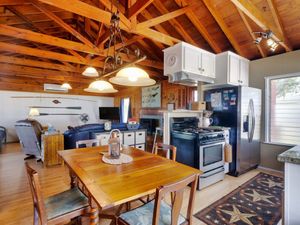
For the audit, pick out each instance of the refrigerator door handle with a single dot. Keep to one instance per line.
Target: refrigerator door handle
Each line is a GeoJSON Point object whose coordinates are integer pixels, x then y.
{"type": "Point", "coordinates": [249, 123]}
{"type": "Point", "coordinates": [253, 120]}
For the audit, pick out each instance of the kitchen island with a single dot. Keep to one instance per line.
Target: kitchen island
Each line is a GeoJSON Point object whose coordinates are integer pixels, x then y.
{"type": "Point", "coordinates": [291, 158]}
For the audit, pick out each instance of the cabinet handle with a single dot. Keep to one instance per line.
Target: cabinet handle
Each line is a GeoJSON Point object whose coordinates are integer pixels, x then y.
{"type": "Point", "coordinates": [140, 134]}
{"type": "Point", "coordinates": [129, 135]}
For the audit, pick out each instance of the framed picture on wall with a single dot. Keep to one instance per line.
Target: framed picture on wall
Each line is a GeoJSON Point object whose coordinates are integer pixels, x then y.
{"type": "Point", "coordinates": [151, 96]}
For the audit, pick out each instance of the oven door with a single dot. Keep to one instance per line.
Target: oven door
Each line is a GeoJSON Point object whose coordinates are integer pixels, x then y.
{"type": "Point", "coordinates": [211, 156]}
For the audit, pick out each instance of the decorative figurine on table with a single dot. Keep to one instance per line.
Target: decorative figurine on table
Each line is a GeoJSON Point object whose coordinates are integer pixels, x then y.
{"type": "Point", "coordinates": [114, 146]}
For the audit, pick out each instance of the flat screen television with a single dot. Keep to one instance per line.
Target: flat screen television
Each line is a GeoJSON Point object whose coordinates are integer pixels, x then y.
{"type": "Point", "coordinates": [109, 113]}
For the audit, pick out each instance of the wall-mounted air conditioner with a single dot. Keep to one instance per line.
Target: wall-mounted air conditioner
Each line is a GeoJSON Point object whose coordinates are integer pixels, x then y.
{"type": "Point", "coordinates": [54, 88]}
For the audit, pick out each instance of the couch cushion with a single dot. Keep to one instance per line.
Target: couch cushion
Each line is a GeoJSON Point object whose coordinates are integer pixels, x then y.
{"type": "Point", "coordinates": [143, 215]}
{"type": "Point", "coordinates": [65, 202]}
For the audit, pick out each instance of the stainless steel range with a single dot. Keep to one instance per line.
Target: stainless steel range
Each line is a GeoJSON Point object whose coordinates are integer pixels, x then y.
{"type": "Point", "coordinates": [203, 149]}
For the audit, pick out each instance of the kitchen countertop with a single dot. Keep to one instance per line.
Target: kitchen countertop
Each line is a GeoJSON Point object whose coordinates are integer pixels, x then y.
{"type": "Point", "coordinates": [290, 156]}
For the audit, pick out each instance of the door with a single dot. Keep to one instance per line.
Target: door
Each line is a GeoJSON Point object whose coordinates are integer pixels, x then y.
{"type": "Point", "coordinates": [208, 65]}
{"type": "Point", "coordinates": [191, 60]}
{"type": "Point", "coordinates": [234, 70]}
{"type": "Point", "coordinates": [249, 129]}
{"type": "Point", "coordinates": [244, 72]}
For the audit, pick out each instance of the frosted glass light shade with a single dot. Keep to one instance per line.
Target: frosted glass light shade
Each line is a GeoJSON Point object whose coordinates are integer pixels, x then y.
{"type": "Point", "coordinates": [34, 112]}
{"type": "Point", "coordinates": [66, 86]}
{"type": "Point", "coordinates": [132, 76]}
{"type": "Point", "coordinates": [101, 86]}
{"type": "Point", "coordinates": [90, 72]}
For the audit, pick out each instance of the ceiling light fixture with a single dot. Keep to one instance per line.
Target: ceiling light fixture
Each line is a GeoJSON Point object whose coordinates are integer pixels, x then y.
{"type": "Point", "coordinates": [100, 86]}
{"type": "Point", "coordinates": [268, 36]}
{"type": "Point", "coordinates": [66, 86]}
{"type": "Point", "coordinates": [90, 72]}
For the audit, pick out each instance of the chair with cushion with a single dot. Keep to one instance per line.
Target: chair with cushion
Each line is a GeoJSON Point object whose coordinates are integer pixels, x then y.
{"type": "Point", "coordinates": [164, 150]}
{"type": "Point", "coordinates": [87, 143]}
{"type": "Point", "coordinates": [29, 133]}
{"type": "Point", "coordinates": [62, 207]}
{"type": "Point", "coordinates": [158, 212]}
{"type": "Point", "coordinates": [2, 136]}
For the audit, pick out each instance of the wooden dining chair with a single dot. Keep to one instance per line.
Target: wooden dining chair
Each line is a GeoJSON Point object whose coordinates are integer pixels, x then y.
{"type": "Point", "coordinates": [62, 207]}
{"type": "Point", "coordinates": [163, 150]}
{"type": "Point", "coordinates": [87, 143]}
{"type": "Point", "coordinates": [158, 212]}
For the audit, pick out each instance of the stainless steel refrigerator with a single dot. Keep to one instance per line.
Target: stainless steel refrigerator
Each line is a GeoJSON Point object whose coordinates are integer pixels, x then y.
{"type": "Point", "coordinates": [240, 109]}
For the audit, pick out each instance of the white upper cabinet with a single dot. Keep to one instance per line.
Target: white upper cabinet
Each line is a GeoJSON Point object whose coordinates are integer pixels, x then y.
{"type": "Point", "coordinates": [195, 63]}
{"type": "Point", "coordinates": [232, 69]}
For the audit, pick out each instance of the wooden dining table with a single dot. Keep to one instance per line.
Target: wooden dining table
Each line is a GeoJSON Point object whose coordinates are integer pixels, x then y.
{"type": "Point", "coordinates": [112, 185]}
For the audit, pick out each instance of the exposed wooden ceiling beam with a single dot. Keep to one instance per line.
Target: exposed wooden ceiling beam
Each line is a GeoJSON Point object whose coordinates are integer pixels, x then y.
{"type": "Point", "coordinates": [46, 54]}
{"type": "Point", "coordinates": [210, 6]}
{"type": "Point", "coordinates": [163, 18]}
{"type": "Point", "coordinates": [278, 21]}
{"type": "Point", "coordinates": [137, 7]}
{"type": "Point", "coordinates": [178, 27]}
{"type": "Point", "coordinates": [263, 54]}
{"type": "Point", "coordinates": [13, 2]}
{"type": "Point", "coordinates": [36, 63]}
{"type": "Point", "coordinates": [63, 24]}
{"type": "Point", "coordinates": [257, 16]}
{"type": "Point", "coordinates": [46, 39]}
{"type": "Point", "coordinates": [198, 24]}
{"type": "Point", "coordinates": [92, 12]}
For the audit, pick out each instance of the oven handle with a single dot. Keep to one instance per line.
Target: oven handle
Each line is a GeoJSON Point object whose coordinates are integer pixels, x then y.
{"type": "Point", "coordinates": [209, 175]}
{"type": "Point", "coordinates": [212, 144]}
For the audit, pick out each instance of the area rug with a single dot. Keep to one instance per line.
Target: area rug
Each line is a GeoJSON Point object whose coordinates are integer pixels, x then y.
{"type": "Point", "coordinates": [258, 201]}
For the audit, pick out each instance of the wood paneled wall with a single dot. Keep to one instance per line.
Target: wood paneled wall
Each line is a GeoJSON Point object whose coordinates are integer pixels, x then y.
{"type": "Point", "coordinates": [170, 93]}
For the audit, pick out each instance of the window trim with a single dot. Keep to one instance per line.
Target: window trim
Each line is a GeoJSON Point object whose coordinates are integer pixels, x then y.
{"type": "Point", "coordinates": [268, 80]}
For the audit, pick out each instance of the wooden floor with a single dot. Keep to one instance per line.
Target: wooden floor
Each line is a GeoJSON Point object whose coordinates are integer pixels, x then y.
{"type": "Point", "coordinates": [15, 198]}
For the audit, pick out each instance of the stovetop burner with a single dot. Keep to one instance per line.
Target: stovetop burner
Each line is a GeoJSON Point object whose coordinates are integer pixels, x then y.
{"type": "Point", "coordinates": [199, 130]}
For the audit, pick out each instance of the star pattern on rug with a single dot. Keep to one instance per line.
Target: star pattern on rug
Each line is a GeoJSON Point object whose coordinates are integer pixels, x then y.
{"type": "Point", "coordinates": [272, 183]}
{"type": "Point", "coordinates": [237, 215]}
{"type": "Point", "coordinates": [256, 197]}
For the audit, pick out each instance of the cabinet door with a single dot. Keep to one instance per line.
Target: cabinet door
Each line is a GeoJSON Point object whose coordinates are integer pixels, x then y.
{"type": "Point", "coordinates": [140, 147]}
{"type": "Point", "coordinates": [128, 138]}
{"type": "Point", "coordinates": [140, 137]}
{"type": "Point", "coordinates": [234, 70]}
{"type": "Point", "coordinates": [191, 60]}
{"type": "Point", "coordinates": [208, 65]}
{"type": "Point", "coordinates": [244, 72]}
{"type": "Point", "coordinates": [103, 137]}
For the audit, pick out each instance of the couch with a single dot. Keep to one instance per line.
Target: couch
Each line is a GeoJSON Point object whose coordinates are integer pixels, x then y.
{"type": "Point", "coordinates": [86, 132]}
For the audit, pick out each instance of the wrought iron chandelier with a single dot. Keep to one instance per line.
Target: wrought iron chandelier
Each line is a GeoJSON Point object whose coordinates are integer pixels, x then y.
{"type": "Point", "coordinates": [126, 73]}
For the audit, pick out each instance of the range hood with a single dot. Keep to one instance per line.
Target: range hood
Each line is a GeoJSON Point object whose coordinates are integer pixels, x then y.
{"type": "Point", "coordinates": [188, 65]}
{"type": "Point", "coordinates": [188, 79]}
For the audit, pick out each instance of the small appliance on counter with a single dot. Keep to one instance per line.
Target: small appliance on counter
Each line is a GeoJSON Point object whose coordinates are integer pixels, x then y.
{"type": "Point", "coordinates": [201, 148]}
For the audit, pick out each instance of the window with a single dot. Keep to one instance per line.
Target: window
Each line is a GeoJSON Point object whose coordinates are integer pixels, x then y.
{"type": "Point", "coordinates": [195, 95]}
{"type": "Point", "coordinates": [125, 109]}
{"type": "Point", "coordinates": [283, 109]}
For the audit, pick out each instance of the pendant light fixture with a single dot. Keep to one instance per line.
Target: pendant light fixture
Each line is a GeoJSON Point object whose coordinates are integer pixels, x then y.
{"type": "Point", "coordinates": [66, 86]}
{"type": "Point", "coordinates": [132, 76]}
{"type": "Point", "coordinates": [100, 86]}
{"type": "Point", "coordinates": [90, 72]}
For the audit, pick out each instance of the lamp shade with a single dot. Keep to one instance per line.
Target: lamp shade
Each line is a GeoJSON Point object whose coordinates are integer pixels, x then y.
{"type": "Point", "coordinates": [66, 86]}
{"type": "Point", "coordinates": [132, 76]}
{"type": "Point", "coordinates": [34, 112]}
{"type": "Point", "coordinates": [101, 86]}
{"type": "Point", "coordinates": [90, 72]}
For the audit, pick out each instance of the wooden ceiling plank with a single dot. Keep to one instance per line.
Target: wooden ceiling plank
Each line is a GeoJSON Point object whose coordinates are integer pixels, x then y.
{"type": "Point", "coordinates": [210, 6]}
{"type": "Point", "coordinates": [46, 54]}
{"type": "Point", "coordinates": [163, 10]}
{"type": "Point", "coordinates": [138, 7]}
{"type": "Point", "coordinates": [35, 63]}
{"type": "Point", "coordinates": [46, 39]}
{"type": "Point", "coordinates": [163, 18]}
{"type": "Point", "coordinates": [198, 24]}
{"type": "Point", "coordinates": [257, 16]}
{"type": "Point", "coordinates": [13, 2]}
{"type": "Point", "coordinates": [92, 12]}
{"type": "Point", "coordinates": [263, 54]}
{"type": "Point", "coordinates": [66, 26]}
{"type": "Point", "coordinates": [278, 21]}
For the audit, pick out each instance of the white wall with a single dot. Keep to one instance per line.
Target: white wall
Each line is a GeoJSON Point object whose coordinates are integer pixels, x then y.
{"type": "Point", "coordinates": [14, 109]}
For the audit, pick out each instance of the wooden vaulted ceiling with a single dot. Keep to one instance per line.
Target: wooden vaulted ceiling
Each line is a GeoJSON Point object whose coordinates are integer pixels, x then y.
{"type": "Point", "coordinates": [52, 41]}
